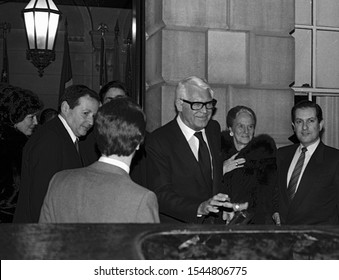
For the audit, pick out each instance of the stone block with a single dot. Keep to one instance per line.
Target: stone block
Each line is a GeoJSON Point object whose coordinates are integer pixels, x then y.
{"type": "Point", "coordinates": [183, 54]}
{"type": "Point", "coordinates": [271, 61]}
{"type": "Point", "coordinates": [153, 20]}
{"type": "Point", "coordinates": [195, 13]}
{"type": "Point", "coordinates": [220, 113]}
{"type": "Point", "coordinates": [271, 106]}
{"type": "Point", "coordinates": [154, 59]}
{"type": "Point", "coordinates": [159, 106]}
{"type": "Point", "coordinates": [227, 57]}
{"type": "Point", "coordinates": [262, 15]}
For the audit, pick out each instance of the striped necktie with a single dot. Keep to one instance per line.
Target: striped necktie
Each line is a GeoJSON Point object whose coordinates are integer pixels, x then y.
{"type": "Point", "coordinates": [292, 185]}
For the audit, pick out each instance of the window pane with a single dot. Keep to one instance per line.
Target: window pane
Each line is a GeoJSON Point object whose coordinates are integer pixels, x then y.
{"type": "Point", "coordinates": [328, 13]}
{"type": "Point", "coordinates": [303, 56]}
{"type": "Point", "coordinates": [303, 12]}
{"type": "Point", "coordinates": [327, 70]}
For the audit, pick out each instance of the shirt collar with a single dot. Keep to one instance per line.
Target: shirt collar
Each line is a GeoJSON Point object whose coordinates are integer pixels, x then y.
{"type": "Point", "coordinates": [115, 162]}
{"type": "Point", "coordinates": [68, 128]}
{"type": "Point", "coordinates": [311, 148]}
{"type": "Point", "coordinates": [187, 131]}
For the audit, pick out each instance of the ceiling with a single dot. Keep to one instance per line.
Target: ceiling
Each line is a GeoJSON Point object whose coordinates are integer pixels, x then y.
{"type": "Point", "coordinates": [118, 4]}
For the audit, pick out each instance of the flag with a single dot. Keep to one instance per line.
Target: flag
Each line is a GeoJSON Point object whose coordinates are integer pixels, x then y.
{"type": "Point", "coordinates": [4, 73]}
{"type": "Point", "coordinates": [103, 64]}
{"type": "Point", "coordinates": [66, 73]}
{"type": "Point", "coordinates": [116, 57]}
{"type": "Point", "coordinates": [128, 69]}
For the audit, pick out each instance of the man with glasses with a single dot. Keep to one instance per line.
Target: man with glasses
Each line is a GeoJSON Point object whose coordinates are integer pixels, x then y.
{"type": "Point", "coordinates": [183, 159]}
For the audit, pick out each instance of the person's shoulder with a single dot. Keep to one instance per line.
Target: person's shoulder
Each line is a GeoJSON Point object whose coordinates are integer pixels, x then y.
{"type": "Point", "coordinates": [330, 151]}
{"type": "Point", "coordinates": [287, 147]}
{"type": "Point", "coordinates": [163, 131]}
{"type": "Point", "coordinates": [214, 124]}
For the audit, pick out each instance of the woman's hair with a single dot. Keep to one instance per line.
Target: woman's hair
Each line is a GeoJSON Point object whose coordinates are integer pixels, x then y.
{"type": "Point", "coordinates": [16, 103]}
{"type": "Point", "coordinates": [235, 111]}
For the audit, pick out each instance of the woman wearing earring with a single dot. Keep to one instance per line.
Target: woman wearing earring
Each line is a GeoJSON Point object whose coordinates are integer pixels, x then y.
{"type": "Point", "coordinates": [249, 165]}
{"type": "Point", "coordinates": [18, 119]}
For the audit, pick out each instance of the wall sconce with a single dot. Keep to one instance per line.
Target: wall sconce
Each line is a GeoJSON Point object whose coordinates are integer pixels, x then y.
{"type": "Point", "coordinates": [41, 23]}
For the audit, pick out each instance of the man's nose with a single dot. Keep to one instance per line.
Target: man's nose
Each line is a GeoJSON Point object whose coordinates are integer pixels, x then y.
{"type": "Point", "coordinates": [90, 120]}
{"type": "Point", "coordinates": [35, 120]}
{"type": "Point", "coordinates": [203, 109]}
{"type": "Point", "coordinates": [305, 126]}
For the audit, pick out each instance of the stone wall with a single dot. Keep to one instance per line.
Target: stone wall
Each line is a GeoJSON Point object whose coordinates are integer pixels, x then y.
{"type": "Point", "coordinates": [241, 47]}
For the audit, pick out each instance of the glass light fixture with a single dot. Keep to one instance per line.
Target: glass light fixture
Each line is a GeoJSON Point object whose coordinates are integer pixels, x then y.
{"type": "Point", "coordinates": [41, 22]}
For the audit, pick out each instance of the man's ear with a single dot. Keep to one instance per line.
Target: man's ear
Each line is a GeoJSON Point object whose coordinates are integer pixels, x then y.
{"type": "Point", "coordinates": [64, 107]}
{"type": "Point", "coordinates": [178, 104]}
{"type": "Point", "coordinates": [321, 124]}
{"type": "Point", "coordinates": [293, 126]}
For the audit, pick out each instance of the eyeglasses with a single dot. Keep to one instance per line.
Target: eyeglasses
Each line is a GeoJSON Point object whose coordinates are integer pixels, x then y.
{"type": "Point", "coordinates": [198, 105]}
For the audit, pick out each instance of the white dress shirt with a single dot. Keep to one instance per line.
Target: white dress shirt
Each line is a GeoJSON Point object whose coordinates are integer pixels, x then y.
{"type": "Point", "coordinates": [68, 128]}
{"type": "Point", "coordinates": [310, 150]}
{"type": "Point", "coordinates": [191, 139]}
{"type": "Point", "coordinates": [115, 162]}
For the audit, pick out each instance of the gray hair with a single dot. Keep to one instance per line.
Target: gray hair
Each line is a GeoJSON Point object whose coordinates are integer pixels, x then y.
{"type": "Point", "coordinates": [181, 89]}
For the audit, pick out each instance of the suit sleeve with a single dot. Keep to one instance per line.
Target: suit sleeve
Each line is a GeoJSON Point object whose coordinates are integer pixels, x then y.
{"type": "Point", "coordinates": [45, 161]}
{"type": "Point", "coordinates": [148, 211]}
{"type": "Point", "coordinates": [159, 180]}
{"type": "Point", "coordinates": [47, 211]}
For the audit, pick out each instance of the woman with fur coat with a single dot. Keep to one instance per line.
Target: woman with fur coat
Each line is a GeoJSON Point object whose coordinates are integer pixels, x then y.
{"type": "Point", "coordinates": [249, 166]}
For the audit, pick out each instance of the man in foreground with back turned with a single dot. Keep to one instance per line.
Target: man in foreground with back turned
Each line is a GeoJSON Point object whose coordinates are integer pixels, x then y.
{"type": "Point", "coordinates": [184, 165]}
{"type": "Point", "coordinates": [308, 173]}
{"type": "Point", "coordinates": [104, 192]}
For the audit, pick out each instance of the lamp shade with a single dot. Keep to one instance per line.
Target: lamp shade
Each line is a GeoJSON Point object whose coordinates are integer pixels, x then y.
{"type": "Point", "coordinates": [41, 22]}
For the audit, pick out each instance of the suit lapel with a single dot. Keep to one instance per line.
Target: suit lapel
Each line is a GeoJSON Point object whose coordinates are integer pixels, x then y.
{"type": "Point", "coordinates": [67, 140]}
{"type": "Point", "coordinates": [285, 164]}
{"type": "Point", "coordinates": [307, 178]}
{"type": "Point", "coordinates": [184, 150]}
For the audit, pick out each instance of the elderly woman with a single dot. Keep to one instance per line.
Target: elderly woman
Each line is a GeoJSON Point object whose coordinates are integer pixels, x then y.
{"type": "Point", "coordinates": [18, 119]}
{"type": "Point", "coordinates": [249, 167]}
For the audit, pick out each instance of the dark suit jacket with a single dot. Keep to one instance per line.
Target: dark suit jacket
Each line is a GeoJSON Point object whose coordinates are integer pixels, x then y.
{"type": "Point", "coordinates": [173, 172]}
{"type": "Point", "coordinates": [49, 150]}
{"type": "Point", "coordinates": [99, 193]}
{"type": "Point", "coordinates": [317, 198]}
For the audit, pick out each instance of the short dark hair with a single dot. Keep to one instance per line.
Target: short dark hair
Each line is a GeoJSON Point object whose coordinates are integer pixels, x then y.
{"type": "Point", "coordinates": [74, 92]}
{"type": "Point", "coordinates": [16, 103]}
{"type": "Point", "coordinates": [119, 127]}
{"type": "Point", "coordinates": [307, 104]}
{"type": "Point", "coordinates": [108, 86]}
{"type": "Point", "coordinates": [232, 114]}
{"type": "Point", "coordinates": [47, 114]}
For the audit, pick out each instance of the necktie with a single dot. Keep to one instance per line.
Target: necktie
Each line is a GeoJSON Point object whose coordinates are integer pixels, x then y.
{"type": "Point", "coordinates": [76, 144]}
{"type": "Point", "coordinates": [204, 158]}
{"type": "Point", "coordinates": [292, 185]}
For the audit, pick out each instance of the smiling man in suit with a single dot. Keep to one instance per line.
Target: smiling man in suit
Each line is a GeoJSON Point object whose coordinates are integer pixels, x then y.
{"type": "Point", "coordinates": [308, 173]}
{"type": "Point", "coordinates": [184, 165]}
{"type": "Point", "coordinates": [104, 192]}
{"type": "Point", "coordinates": [55, 147]}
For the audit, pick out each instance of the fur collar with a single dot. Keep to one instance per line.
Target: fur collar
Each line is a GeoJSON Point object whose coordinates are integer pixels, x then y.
{"type": "Point", "coordinates": [261, 147]}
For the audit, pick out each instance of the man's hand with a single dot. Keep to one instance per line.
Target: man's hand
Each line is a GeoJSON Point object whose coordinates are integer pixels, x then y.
{"type": "Point", "coordinates": [213, 204]}
{"type": "Point", "coordinates": [276, 218]}
{"type": "Point", "coordinates": [228, 216]}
